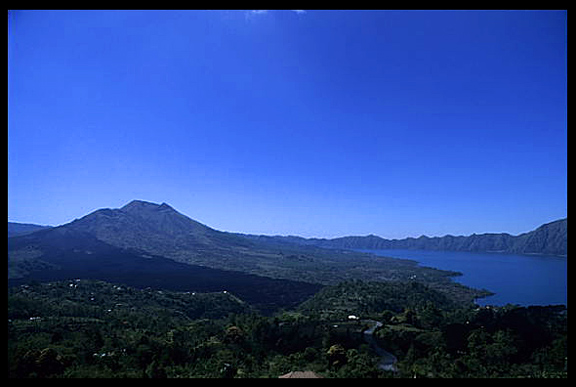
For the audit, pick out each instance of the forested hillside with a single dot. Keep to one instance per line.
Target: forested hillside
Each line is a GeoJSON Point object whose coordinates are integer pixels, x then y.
{"type": "Point", "coordinates": [82, 328]}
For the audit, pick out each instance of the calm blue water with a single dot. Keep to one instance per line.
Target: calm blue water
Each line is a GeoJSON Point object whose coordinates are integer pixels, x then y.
{"type": "Point", "coordinates": [516, 279]}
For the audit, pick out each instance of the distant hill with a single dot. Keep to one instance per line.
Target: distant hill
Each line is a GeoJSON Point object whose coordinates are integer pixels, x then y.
{"type": "Point", "coordinates": [23, 228]}
{"type": "Point", "coordinates": [365, 298]}
{"type": "Point", "coordinates": [550, 238]}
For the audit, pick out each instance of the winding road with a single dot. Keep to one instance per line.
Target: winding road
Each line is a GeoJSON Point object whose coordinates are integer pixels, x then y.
{"type": "Point", "coordinates": [387, 360]}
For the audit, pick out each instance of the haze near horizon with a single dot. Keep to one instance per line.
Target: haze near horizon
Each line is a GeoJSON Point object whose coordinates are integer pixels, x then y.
{"type": "Point", "coordinates": [310, 123]}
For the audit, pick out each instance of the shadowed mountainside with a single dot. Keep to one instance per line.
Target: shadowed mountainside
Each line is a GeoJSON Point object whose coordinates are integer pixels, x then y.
{"type": "Point", "coordinates": [62, 254]}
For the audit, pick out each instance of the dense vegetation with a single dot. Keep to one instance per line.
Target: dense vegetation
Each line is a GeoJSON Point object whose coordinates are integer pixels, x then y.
{"type": "Point", "coordinates": [81, 328]}
{"type": "Point", "coordinates": [507, 341]}
{"type": "Point", "coordinates": [371, 298]}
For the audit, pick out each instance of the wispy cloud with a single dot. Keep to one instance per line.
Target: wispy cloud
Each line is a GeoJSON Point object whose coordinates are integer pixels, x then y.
{"type": "Point", "coordinates": [257, 13]}
{"type": "Point", "coordinates": [264, 11]}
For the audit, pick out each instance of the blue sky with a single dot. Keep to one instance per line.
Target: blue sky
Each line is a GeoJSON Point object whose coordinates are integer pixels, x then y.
{"type": "Point", "coordinates": [315, 123]}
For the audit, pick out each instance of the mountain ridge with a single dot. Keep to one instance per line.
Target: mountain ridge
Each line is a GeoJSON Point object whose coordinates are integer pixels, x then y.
{"type": "Point", "coordinates": [547, 239]}
{"type": "Point", "coordinates": [16, 228]}
{"type": "Point", "coordinates": [147, 220]}
{"type": "Point", "coordinates": [171, 232]}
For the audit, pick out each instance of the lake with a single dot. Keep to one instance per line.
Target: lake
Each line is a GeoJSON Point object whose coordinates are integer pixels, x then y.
{"type": "Point", "coordinates": [516, 279]}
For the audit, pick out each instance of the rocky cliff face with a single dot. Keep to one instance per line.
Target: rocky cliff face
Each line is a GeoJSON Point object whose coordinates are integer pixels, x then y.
{"type": "Point", "coordinates": [550, 238]}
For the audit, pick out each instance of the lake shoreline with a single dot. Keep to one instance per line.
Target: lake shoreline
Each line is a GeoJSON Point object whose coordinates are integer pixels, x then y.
{"type": "Point", "coordinates": [508, 278]}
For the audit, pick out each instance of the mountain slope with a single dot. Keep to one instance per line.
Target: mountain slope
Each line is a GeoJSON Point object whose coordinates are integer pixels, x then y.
{"type": "Point", "coordinates": [63, 253]}
{"type": "Point", "coordinates": [153, 228]}
{"type": "Point", "coordinates": [158, 229]}
{"type": "Point", "coordinates": [158, 243]}
{"type": "Point", "coordinates": [23, 228]}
